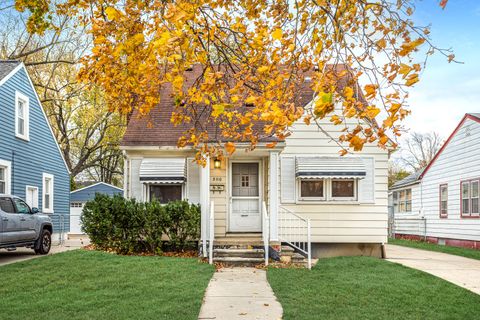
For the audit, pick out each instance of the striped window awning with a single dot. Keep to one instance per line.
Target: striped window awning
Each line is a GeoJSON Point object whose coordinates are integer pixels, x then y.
{"type": "Point", "coordinates": [163, 170]}
{"type": "Point", "coordinates": [329, 167]}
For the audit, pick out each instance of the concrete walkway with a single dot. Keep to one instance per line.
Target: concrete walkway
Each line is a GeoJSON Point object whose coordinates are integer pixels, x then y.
{"type": "Point", "coordinates": [21, 254]}
{"type": "Point", "coordinates": [461, 271]}
{"type": "Point", "coordinates": [240, 293]}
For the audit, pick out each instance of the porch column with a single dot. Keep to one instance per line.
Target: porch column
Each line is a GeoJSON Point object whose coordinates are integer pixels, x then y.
{"type": "Point", "coordinates": [204, 203]}
{"type": "Point", "coordinates": [273, 195]}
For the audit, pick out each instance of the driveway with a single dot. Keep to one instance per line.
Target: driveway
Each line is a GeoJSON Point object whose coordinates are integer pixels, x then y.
{"type": "Point", "coordinates": [21, 254]}
{"type": "Point", "coordinates": [461, 271]}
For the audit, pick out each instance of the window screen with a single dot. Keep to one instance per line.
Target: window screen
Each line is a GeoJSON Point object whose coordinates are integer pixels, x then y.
{"type": "Point", "coordinates": [343, 188]}
{"type": "Point", "coordinates": [311, 188]}
{"type": "Point", "coordinates": [166, 193]}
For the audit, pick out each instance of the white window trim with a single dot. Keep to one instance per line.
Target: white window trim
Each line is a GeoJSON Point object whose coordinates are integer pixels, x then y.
{"type": "Point", "coordinates": [8, 175]}
{"type": "Point", "coordinates": [26, 135]}
{"type": "Point", "coordinates": [52, 193]}
{"type": "Point", "coordinates": [327, 194]}
{"type": "Point", "coordinates": [26, 192]}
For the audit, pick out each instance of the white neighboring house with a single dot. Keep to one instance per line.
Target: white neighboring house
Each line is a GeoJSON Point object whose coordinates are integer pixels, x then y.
{"type": "Point", "coordinates": [79, 197]}
{"type": "Point", "coordinates": [301, 180]}
{"type": "Point", "coordinates": [404, 206]}
{"type": "Point", "coordinates": [445, 197]}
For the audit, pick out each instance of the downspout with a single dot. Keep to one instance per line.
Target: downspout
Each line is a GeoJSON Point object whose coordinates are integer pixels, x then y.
{"type": "Point", "coordinates": [12, 173]}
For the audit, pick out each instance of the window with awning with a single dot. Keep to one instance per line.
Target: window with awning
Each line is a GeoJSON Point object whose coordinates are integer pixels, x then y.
{"type": "Point", "coordinates": [163, 171]}
{"type": "Point", "coordinates": [330, 167]}
{"type": "Point", "coordinates": [164, 178]}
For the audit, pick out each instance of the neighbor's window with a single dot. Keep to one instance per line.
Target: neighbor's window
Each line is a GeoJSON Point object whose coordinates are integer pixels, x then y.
{"type": "Point", "coordinates": [21, 116]}
{"type": "Point", "coordinates": [343, 189]}
{"type": "Point", "coordinates": [76, 204]}
{"type": "Point", "coordinates": [165, 193]}
{"type": "Point", "coordinates": [474, 198]}
{"type": "Point", "coordinates": [444, 200]}
{"type": "Point", "coordinates": [470, 198]}
{"type": "Point", "coordinates": [47, 193]}
{"type": "Point", "coordinates": [3, 180]}
{"type": "Point", "coordinates": [402, 201]}
{"type": "Point", "coordinates": [312, 189]}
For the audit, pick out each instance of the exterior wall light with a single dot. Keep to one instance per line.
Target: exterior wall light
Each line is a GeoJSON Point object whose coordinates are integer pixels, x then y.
{"type": "Point", "coordinates": [217, 163]}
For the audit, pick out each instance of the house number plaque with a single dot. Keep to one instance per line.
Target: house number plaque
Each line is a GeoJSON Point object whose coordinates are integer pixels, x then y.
{"type": "Point", "coordinates": [217, 184]}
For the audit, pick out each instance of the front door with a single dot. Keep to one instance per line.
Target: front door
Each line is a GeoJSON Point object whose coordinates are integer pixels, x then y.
{"type": "Point", "coordinates": [245, 208]}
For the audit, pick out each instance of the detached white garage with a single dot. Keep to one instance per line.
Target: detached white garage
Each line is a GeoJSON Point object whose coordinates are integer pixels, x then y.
{"type": "Point", "coordinates": [79, 197]}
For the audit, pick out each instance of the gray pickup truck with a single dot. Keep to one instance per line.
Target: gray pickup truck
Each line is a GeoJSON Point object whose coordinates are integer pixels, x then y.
{"type": "Point", "coordinates": [22, 226]}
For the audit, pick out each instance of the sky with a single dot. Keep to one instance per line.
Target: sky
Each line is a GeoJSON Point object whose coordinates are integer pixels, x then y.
{"type": "Point", "coordinates": [447, 91]}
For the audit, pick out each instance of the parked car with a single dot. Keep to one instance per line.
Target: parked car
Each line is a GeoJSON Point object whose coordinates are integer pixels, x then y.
{"type": "Point", "coordinates": [22, 226]}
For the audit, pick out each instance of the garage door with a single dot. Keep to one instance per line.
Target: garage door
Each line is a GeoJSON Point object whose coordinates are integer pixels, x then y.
{"type": "Point", "coordinates": [75, 214]}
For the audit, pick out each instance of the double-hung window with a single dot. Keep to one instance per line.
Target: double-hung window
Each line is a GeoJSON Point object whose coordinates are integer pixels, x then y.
{"type": "Point", "coordinates": [48, 193]}
{"type": "Point", "coordinates": [402, 201]}
{"type": "Point", "coordinates": [22, 126]}
{"type": "Point", "coordinates": [5, 177]}
{"type": "Point", "coordinates": [443, 200]}
{"type": "Point", "coordinates": [470, 198]}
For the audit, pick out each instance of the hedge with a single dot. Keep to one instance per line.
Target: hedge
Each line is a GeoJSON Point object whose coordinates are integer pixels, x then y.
{"type": "Point", "coordinates": [127, 226]}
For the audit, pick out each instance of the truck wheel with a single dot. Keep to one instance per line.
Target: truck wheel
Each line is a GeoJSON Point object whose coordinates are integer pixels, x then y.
{"type": "Point", "coordinates": [45, 242]}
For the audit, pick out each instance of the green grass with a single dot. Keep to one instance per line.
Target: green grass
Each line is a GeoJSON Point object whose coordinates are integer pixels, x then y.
{"type": "Point", "coordinates": [369, 288]}
{"type": "Point", "coordinates": [95, 285]}
{"type": "Point", "coordinates": [464, 252]}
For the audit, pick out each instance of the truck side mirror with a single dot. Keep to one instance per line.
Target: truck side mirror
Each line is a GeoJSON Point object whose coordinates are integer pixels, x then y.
{"type": "Point", "coordinates": [35, 210]}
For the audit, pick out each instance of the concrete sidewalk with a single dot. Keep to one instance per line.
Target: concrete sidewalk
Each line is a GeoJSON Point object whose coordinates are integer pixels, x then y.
{"type": "Point", "coordinates": [240, 293]}
{"type": "Point", "coordinates": [21, 254]}
{"type": "Point", "coordinates": [461, 271]}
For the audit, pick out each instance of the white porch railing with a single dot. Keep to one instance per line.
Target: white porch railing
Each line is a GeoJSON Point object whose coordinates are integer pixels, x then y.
{"type": "Point", "coordinates": [296, 231]}
{"type": "Point", "coordinates": [265, 231]}
{"type": "Point", "coordinates": [211, 232]}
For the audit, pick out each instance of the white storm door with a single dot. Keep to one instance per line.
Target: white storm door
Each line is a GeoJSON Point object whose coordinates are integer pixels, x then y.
{"type": "Point", "coordinates": [245, 208]}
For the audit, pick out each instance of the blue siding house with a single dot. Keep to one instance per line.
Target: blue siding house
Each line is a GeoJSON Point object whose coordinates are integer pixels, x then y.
{"type": "Point", "coordinates": [79, 197]}
{"type": "Point", "coordinates": [87, 193]}
{"type": "Point", "coordinates": [31, 163]}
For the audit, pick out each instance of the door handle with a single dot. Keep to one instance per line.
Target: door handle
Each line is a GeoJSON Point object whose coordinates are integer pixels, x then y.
{"type": "Point", "coordinates": [22, 219]}
{"type": "Point", "coordinates": [244, 215]}
{"type": "Point", "coordinates": [4, 219]}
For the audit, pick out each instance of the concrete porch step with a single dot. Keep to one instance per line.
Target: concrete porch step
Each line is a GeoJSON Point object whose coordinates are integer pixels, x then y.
{"type": "Point", "coordinates": [243, 253]}
{"type": "Point", "coordinates": [238, 242]}
{"type": "Point", "coordinates": [238, 261]}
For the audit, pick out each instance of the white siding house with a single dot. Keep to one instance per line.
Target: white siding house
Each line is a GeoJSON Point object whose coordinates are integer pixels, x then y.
{"type": "Point", "coordinates": [268, 192]}
{"type": "Point", "coordinates": [448, 190]}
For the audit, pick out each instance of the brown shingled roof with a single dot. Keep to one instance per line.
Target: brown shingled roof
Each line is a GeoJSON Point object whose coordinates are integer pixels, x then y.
{"type": "Point", "coordinates": [155, 129]}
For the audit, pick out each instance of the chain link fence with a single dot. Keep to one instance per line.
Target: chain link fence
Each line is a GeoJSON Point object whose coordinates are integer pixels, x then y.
{"type": "Point", "coordinates": [66, 226]}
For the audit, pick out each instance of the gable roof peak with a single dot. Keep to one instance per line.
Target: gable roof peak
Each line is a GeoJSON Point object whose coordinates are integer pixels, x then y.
{"type": "Point", "coordinates": [7, 67]}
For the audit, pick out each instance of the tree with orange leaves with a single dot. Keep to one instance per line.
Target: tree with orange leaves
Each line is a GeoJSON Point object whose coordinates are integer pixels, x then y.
{"type": "Point", "coordinates": [256, 53]}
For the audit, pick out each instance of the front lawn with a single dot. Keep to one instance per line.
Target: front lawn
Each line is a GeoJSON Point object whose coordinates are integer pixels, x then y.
{"type": "Point", "coordinates": [464, 252]}
{"type": "Point", "coordinates": [95, 285]}
{"type": "Point", "coordinates": [369, 288]}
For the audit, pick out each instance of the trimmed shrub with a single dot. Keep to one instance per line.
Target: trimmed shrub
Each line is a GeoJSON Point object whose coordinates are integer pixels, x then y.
{"type": "Point", "coordinates": [126, 226]}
